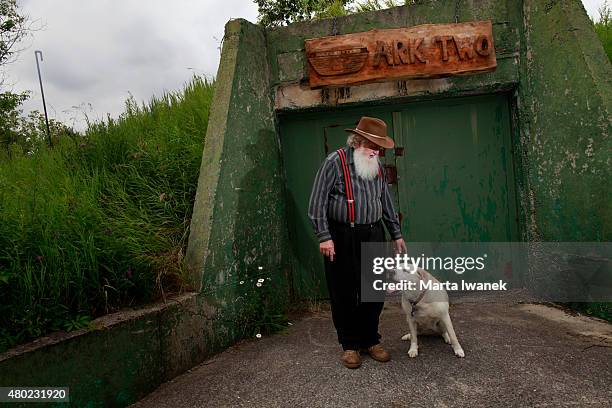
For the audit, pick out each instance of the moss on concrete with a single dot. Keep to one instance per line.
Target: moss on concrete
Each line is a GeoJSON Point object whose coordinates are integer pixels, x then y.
{"type": "Point", "coordinates": [116, 362]}
{"type": "Point", "coordinates": [238, 231]}
{"type": "Point", "coordinates": [566, 95]}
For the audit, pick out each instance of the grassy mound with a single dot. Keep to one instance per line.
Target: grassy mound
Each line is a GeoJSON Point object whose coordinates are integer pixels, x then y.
{"type": "Point", "coordinates": [101, 220]}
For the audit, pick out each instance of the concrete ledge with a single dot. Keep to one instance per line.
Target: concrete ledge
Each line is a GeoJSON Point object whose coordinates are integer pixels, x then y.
{"type": "Point", "coordinates": [125, 355]}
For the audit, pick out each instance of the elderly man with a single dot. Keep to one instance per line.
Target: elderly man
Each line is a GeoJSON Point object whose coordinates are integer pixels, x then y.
{"type": "Point", "coordinates": [348, 201]}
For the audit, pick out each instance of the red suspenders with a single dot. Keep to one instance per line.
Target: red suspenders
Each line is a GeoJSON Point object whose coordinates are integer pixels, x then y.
{"type": "Point", "coordinates": [349, 186]}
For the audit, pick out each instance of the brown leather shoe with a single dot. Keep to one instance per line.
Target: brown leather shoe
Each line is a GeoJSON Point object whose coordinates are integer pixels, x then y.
{"type": "Point", "coordinates": [378, 353]}
{"type": "Point", "coordinates": [351, 359]}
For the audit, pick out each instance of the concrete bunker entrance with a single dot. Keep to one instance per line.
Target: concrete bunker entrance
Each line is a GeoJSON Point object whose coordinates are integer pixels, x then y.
{"type": "Point", "coordinates": [451, 173]}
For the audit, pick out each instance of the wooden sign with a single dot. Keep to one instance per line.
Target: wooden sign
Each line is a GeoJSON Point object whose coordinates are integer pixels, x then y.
{"type": "Point", "coordinates": [424, 51]}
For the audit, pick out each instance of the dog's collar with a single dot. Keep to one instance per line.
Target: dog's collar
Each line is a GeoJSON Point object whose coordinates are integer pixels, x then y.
{"type": "Point", "coordinates": [421, 295]}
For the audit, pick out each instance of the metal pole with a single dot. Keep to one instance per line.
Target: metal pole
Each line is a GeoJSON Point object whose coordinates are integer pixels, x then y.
{"type": "Point", "coordinates": [457, 11]}
{"type": "Point", "coordinates": [36, 53]}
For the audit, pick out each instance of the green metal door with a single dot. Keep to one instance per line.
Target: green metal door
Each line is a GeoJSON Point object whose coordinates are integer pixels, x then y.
{"type": "Point", "coordinates": [457, 173]}
{"type": "Point", "coordinates": [455, 178]}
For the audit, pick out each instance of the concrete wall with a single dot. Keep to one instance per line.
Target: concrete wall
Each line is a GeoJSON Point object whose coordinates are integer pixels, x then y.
{"type": "Point", "coordinates": [238, 227]}
{"type": "Point", "coordinates": [565, 123]}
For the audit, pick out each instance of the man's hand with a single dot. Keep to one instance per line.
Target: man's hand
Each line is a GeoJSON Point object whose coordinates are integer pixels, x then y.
{"type": "Point", "coordinates": [327, 249]}
{"type": "Point", "coordinates": [400, 246]}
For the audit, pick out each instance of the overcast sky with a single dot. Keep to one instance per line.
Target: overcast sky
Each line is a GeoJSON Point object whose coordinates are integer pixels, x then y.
{"type": "Point", "coordinates": [96, 52]}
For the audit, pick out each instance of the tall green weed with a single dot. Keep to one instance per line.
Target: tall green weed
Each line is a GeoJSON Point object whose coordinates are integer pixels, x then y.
{"type": "Point", "coordinates": [101, 220]}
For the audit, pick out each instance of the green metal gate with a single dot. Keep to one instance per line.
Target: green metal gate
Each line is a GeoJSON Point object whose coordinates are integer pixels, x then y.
{"type": "Point", "coordinates": [455, 178]}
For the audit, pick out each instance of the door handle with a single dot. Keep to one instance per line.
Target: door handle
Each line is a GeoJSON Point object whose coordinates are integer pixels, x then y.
{"type": "Point", "coordinates": [391, 173]}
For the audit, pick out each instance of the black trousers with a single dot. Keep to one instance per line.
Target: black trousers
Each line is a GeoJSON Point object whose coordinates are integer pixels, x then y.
{"type": "Point", "coordinates": [356, 322]}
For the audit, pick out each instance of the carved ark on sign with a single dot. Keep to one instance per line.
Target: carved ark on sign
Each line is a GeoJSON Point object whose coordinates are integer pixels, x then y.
{"type": "Point", "coordinates": [425, 51]}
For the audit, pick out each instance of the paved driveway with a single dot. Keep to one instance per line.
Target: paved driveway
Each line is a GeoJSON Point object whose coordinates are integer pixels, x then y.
{"type": "Point", "coordinates": [517, 355]}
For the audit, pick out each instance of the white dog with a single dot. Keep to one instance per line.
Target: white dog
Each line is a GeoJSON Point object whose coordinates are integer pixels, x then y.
{"type": "Point", "coordinates": [426, 309]}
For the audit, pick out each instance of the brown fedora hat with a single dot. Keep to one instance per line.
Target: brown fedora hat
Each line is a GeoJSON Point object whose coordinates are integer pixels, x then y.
{"type": "Point", "coordinates": [375, 130]}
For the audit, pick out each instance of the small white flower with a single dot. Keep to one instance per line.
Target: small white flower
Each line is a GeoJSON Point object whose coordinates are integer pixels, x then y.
{"type": "Point", "coordinates": [260, 280]}
{"type": "Point", "coordinates": [241, 282]}
{"type": "Point", "coordinates": [258, 284]}
{"type": "Point", "coordinates": [260, 267]}
{"type": "Point", "coordinates": [258, 335]}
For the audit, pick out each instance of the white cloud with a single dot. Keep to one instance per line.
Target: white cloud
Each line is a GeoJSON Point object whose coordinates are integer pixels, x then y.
{"type": "Point", "coordinates": [592, 7]}
{"type": "Point", "coordinates": [96, 51]}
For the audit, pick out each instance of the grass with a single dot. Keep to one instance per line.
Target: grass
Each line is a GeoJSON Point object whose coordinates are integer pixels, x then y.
{"type": "Point", "coordinates": [603, 310]}
{"type": "Point", "coordinates": [100, 221]}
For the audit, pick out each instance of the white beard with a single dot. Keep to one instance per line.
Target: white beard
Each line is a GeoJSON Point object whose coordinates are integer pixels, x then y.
{"type": "Point", "coordinates": [365, 165]}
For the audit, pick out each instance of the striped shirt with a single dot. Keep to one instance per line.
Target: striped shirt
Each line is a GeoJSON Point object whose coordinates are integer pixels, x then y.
{"type": "Point", "coordinates": [328, 198]}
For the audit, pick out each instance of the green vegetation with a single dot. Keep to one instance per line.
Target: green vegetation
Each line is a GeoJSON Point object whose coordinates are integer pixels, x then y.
{"type": "Point", "coordinates": [602, 310]}
{"type": "Point", "coordinates": [281, 12]}
{"type": "Point", "coordinates": [21, 135]}
{"type": "Point", "coordinates": [603, 28]}
{"type": "Point", "coordinates": [101, 220]}
{"type": "Point", "coordinates": [15, 130]}
{"type": "Point", "coordinates": [274, 13]}
{"type": "Point", "coordinates": [14, 27]}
